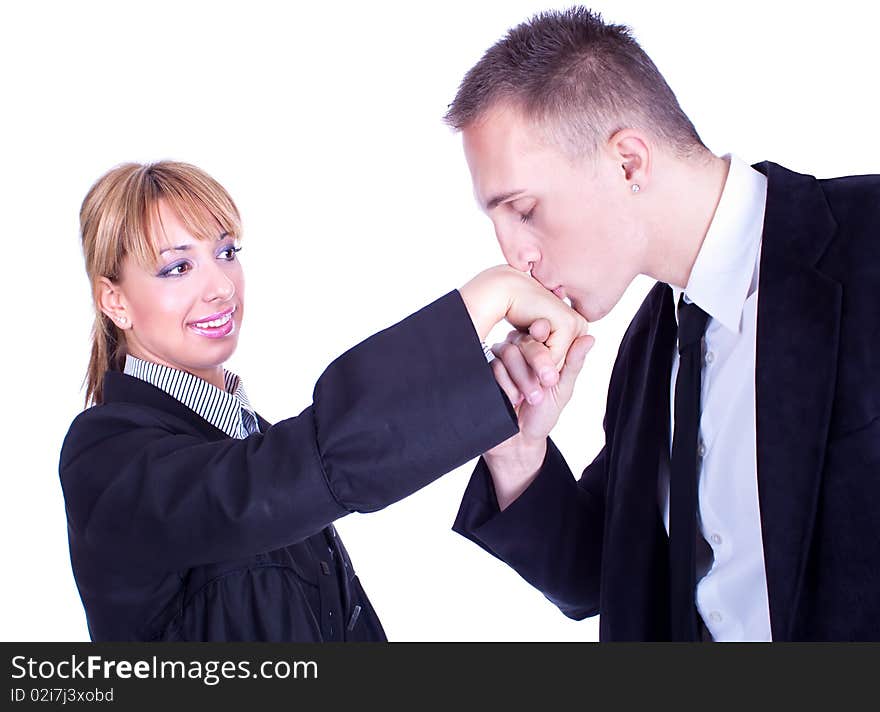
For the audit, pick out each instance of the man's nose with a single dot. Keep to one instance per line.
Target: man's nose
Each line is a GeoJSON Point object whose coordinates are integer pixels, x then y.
{"type": "Point", "coordinates": [518, 253]}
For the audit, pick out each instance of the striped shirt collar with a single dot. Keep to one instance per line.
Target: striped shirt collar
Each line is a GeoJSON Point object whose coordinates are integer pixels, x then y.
{"type": "Point", "coordinates": [229, 410]}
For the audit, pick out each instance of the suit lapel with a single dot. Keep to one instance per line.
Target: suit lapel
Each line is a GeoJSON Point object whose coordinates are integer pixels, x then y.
{"type": "Point", "coordinates": [120, 387]}
{"type": "Point", "coordinates": [795, 373]}
{"type": "Point", "coordinates": [635, 566]}
{"type": "Point", "coordinates": [263, 423]}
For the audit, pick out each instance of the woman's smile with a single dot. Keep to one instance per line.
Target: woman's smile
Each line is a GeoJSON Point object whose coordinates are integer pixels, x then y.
{"type": "Point", "coordinates": [215, 326]}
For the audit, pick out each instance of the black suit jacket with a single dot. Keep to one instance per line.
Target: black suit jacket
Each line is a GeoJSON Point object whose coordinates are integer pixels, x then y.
{"type": "Point", "coordinates": [178, 532]}
{"type": "Point", "coordinates": [598, 545]}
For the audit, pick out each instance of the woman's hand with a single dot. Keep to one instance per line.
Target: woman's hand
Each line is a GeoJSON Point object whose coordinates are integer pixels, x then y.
{"type": "Point", "coordinates": [505, 293]}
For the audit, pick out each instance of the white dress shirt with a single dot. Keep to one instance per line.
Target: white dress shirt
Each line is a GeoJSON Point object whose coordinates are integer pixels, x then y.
{"type": "Point", "coordinates": [732, 596]}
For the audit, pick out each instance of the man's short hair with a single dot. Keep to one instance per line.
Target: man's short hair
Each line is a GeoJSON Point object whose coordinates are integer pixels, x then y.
{"type": "Point", "coordinates": [580, 77]}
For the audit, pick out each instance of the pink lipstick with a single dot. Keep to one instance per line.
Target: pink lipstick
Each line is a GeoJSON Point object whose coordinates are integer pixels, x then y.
{"type": "Point", "coordinates": [215, 326]}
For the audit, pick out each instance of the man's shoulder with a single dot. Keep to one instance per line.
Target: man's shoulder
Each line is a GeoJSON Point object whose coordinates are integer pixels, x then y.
{"type": "Point", "coordinates": [855, 187]}
{"type": "Point", "coordinates": [853, 255]}
{"type": "Point", "coordinates": [854, 200]}
{"type": "Point", "coordinates": [831, 223]}
{"type": "Point", "coordinates": [853, 197]}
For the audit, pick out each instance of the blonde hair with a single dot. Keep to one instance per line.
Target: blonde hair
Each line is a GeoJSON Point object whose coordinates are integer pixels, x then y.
{"type": "Point", "coordinates": [119, 217]}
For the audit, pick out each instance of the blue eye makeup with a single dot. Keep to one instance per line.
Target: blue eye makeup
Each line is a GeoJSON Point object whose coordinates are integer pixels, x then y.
{"type": "Point", "coordinates": [181, 267]}
{"type": "Point", "coordinates": [176, 269]}
{"type": "Point", "coordinates": [230, 251]}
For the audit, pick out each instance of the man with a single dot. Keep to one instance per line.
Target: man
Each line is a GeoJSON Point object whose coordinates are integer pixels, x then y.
{"type": "Point", "coordinates": [736, 497]}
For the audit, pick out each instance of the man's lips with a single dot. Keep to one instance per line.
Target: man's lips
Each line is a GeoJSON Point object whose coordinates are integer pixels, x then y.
{"type": "Point", "coordinates": [559, 292]}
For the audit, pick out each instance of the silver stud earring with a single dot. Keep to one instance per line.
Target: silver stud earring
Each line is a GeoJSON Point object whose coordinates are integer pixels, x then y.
{"type": "Point", "coordinates": [636, 188]}
{"type": "Point", "coordinates": [123, 321]}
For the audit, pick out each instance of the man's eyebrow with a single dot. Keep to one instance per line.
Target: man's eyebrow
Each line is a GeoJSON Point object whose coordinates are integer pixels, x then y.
{"type": "Point", "coordinates": [181, 248]}
{"type": "Point", "coordinates": [498, 199]}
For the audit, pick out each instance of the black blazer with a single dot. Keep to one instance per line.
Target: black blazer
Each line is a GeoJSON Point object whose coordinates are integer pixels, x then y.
{"type": "Point", "coordinates": [179, 532]}
{"type": "Point", "coordinates": [598, 545]}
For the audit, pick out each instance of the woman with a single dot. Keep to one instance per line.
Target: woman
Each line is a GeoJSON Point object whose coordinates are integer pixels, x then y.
{"type": "Point", "coordinates": [192, 518]}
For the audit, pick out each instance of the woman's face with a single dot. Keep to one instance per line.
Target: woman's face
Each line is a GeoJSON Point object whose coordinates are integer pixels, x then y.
{"type": "Point", "coordinates": [187, 312]}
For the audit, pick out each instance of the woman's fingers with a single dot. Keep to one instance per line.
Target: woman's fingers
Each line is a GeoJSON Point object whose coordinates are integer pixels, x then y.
{"type": "Point", "coordinates": [535, 351]}
{"type": "Point", "coordinates": [540, 330]}
{"type": "Point", "coordinates": [523, 367]}
{"type": "Point", "coordinates": [540, 360]}
{"type": "Point", "coordinates": [519, 371]}
{"type": "Point", "coordinates": [502, 377]}
{"type": "Point", "coordinates": [530, 302]}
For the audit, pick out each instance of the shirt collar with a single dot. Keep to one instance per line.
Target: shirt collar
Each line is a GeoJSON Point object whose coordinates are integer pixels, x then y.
{"type": "Point", "coordinates": [724, 273]}
{"type": "Point", "coordinates": [222, 409]}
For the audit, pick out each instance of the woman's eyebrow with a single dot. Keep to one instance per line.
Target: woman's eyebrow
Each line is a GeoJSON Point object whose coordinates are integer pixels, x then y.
{"type": "Point", "coordinates": [182, 248]}
{"type": "Point", "coordinates": [175, 249]}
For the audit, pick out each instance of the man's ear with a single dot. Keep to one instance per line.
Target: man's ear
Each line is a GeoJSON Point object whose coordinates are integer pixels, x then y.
{"type": "Point", "coordinates": [111, 301]}
{"type": "Point", "coordinates": [631, 150]}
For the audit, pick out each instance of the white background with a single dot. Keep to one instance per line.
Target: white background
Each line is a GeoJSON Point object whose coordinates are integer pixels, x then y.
{"type": "Point", "coordinates": [324, 123]}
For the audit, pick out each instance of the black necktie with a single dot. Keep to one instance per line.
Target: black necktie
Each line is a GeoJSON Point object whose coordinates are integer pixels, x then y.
{"type": "Point", "coordinates": [683, 477]}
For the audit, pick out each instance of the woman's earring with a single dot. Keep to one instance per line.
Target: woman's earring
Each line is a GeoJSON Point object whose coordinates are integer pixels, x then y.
{"type": "Point", "coordinates": [123, 321]}
{"type": "Point", "coordinates": [636, 187]}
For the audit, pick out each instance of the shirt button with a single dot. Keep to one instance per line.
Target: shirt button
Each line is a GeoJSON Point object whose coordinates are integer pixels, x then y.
{"type": "Point", "coordinates": [710, 357]}
{"type": "Point", "coordinates": [715, 539]}
{"type": "Point", "coordinates": [716, 617]}
{"type": "Point", "coordinates": [701, 449]}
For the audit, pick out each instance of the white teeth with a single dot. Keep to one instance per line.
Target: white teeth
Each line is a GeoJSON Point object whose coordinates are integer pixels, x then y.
{"type": "Point", "coordinates": [214, 323]}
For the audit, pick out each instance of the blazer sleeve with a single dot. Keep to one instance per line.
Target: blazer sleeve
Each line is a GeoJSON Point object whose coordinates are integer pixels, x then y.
{"type": "Point", "coordinates": [388, 417]}
{"type": "Point", "coordinates": [551, 534]}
